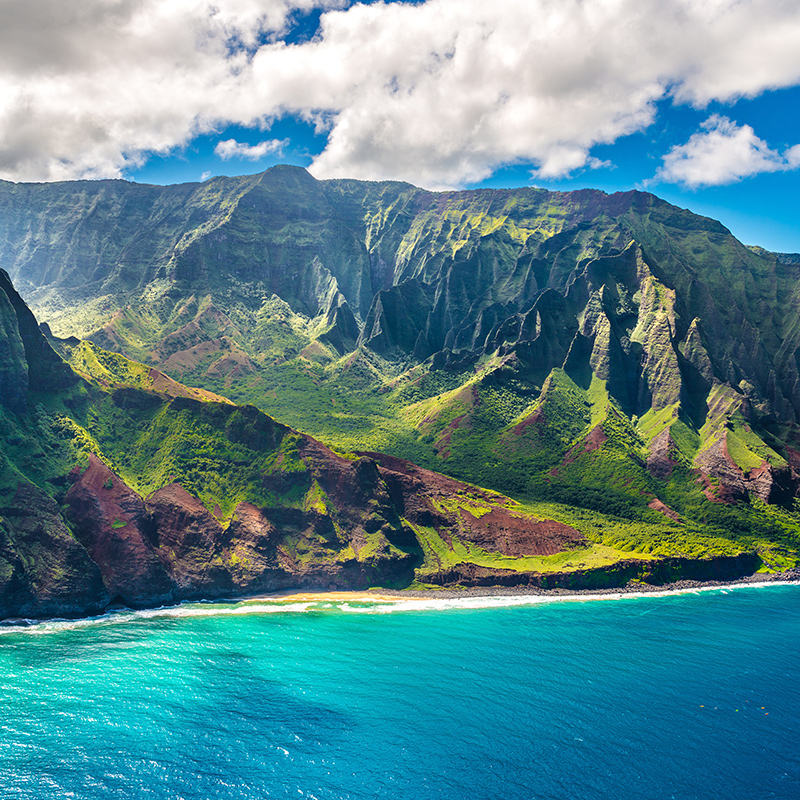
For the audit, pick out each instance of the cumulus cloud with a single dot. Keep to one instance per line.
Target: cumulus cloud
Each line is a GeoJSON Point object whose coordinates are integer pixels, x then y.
{"type": "Point", "coordinates": [88, 88]}
{"type": "Point", "coordinates": [723, 153]}
{"type": "Point", "coordinates": [230, 148]}
{"type": "Point", "coordinates": [439, 93]}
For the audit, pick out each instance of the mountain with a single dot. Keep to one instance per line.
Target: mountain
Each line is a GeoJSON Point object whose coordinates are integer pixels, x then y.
{"type": "Point", "coordinates": [601, 358]}
{"type": "Point", "coordinates": [120, 486]}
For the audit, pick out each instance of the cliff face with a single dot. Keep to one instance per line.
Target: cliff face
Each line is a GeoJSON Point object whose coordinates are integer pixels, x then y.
{"type": "Point", "coordinates": [27, 362]}
{"type": "Point", "coordinates": [665, 297]}
{"type": "Point", "coordinates": [43, 570]}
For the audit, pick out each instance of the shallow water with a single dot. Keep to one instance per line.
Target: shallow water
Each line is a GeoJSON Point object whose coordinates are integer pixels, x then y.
{"type": "Point", "coordinates": [694, 695]}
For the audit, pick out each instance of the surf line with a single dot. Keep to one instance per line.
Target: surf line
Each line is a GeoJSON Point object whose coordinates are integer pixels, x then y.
{"type": "Point", "coordinates": [351, 602]}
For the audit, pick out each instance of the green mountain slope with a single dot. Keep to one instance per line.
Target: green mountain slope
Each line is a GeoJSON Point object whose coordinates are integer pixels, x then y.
{"type": "Point", "coordinates": [119, 485]}
{"type": "Point", "coordinates": [607, 353]}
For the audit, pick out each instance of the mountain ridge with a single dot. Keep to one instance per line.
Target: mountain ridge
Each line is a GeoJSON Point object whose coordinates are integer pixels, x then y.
{"type": "Point", "coordinates": [608, 354]}
{"type": "Point", "coordinates": [121, 487]}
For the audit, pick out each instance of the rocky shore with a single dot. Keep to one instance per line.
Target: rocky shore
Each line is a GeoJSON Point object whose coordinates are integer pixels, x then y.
{"type": "Point", "coordinates": [381, 594]}
{"type": "Point", "coordinates": [632, 587]}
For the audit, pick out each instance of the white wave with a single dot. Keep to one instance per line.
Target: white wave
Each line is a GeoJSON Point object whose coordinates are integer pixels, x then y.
{"type": "Point", "coordinates": [184, 610]}
{"type": "Point", "coordinates": [360, 605]}
{"type": "Point", "coordinates": [499, 601]}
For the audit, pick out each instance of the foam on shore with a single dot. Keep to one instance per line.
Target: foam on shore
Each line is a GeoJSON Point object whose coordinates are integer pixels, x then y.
{"type": "Point", "coordinates": [355, 602]}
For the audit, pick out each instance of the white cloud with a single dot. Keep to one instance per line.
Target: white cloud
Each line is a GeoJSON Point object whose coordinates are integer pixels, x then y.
{"type": "Point", "coordinates": [438, 93]}
{"type": "Point", "coordinates": [724, 153]}
{"type": "Point", "coordinates": [230, 148]}
{"type": "Point", "coordinates": [89, 87]}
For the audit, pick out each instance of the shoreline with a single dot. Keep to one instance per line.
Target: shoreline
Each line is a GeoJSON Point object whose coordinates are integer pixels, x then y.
{"type": "Point", "coordinates": [382, 594]}
{"type": "Point", "coordinates": [413, 598]}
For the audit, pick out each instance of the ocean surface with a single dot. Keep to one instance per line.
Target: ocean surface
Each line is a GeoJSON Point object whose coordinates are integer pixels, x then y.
{"type": "Point", "coordinates": [695, 695]}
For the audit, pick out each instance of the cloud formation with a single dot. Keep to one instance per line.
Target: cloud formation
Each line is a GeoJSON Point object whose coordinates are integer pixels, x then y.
{"type": "Point", "coordinates": [230, 148]}
{"type": "Point", "coordinates": [725, 152]}
{"type": "Point", "coordinates": [439, 93]}
{"type": "Point", "coordinates": [88, 88]}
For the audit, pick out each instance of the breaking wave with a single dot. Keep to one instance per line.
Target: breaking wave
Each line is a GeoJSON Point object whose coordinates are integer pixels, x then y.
{"type": "Point", "coordinates": [357, 604]}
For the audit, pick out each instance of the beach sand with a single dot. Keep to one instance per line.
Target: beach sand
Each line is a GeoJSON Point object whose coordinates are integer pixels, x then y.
{"type": "Point", "coordinates": [304, 596]}
{"type": "Point", "coordinates": [411, 599]}
{"type": "Point", "coordinates": [379, 594]}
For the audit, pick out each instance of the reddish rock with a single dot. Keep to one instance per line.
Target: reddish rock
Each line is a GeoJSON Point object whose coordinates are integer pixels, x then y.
{"type": "Point", "coordinates": [664, 509]}
{"type": "Point", "coordinates": [716, 463]}
{"type": "Point", "coordinates": [444, 440]}
{"type": "Point", "coordinates": [660, 457]}
{"type": "Point", "coordinates": [591, 442]}
{"type": "Point", "coordinates": [251, 552]}
{"type": "Point", "coordinates": [773, 484]}
{"type": "Point", "coordinates": [187, 540]}
{"type": "Point", "coordinates": [44, 570]}
{"type": "Point", "coordinates": [770, 484]}
{"type": "Point", "coordinates": [359, 498]}
{"type": "Point", "coordinates": [111, 522]}
{"type": "Point", "coordinates": [535, 420]}
{"type": "Point", "coordinates": [793, 457]}
{"type": "Point", "coordinates": [416, 490]}
{"type": "Point", "coordinates": [514, 535]}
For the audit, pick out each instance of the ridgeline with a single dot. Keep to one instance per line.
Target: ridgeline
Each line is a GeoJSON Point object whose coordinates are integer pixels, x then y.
{"type": "Point", "coordinates": [620, 375]}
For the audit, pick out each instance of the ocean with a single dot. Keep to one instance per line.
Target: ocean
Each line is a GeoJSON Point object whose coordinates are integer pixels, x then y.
{"type": "Point", "coordinates": [691, 695]}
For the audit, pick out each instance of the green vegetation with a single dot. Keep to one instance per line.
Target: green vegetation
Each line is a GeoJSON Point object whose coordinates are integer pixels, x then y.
{"type": "Point", "coordinates": [613, 363]}
{"type": "Point", "coordinates": [441, 554]}
{"type": "Point", "coordinates": [488, 436]}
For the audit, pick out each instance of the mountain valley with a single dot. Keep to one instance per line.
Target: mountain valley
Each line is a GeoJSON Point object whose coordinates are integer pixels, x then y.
{"type": "Point", "coordinates": [619, 375]}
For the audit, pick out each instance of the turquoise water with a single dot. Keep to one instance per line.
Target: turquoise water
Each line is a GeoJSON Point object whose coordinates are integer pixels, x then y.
{"type": "Point", "coordinates": [687, 696]}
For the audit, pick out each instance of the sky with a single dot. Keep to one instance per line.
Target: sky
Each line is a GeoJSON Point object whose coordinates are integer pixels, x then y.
{"type": "Point", "coordinates": [697, 101]}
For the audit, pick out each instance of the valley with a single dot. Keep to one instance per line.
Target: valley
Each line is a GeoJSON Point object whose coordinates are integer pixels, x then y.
{"type": "Point", "coordinates": [617, 375]}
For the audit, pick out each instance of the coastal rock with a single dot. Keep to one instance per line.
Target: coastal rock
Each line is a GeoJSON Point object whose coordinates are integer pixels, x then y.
{"type": "Point", "coordinates": [424, 497]}
{"type": "Point", "coordinates": [656, 572]}
{"type": "Point", "coordinates": [110, 520]}
{"type": "Point", "coordinates": [251, 553]}
{"type": "Point", "coordinates": [187, 540]}
{"type": "Point", "coordinates": [530, 341]}
{"type": "Point", "coordinates": [44, 571]}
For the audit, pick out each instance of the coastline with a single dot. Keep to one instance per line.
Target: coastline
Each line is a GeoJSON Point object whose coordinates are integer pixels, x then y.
{"type": "Point", "coordinates": [300, 600]}
{"type": "Point", "coordinates": [382, 594]}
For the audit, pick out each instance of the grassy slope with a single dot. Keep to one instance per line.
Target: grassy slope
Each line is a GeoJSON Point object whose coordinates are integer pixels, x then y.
{"type": "Point", "coordinates": [610, 483]}
{"type": "Point", "coordinates": [218, 452]}
{"type": "Point", "coordinates": [603, 493]}
{"type": "Point", "coordinates": [221, 453]}
{"type": "Point", "coordinates": [487, 245]}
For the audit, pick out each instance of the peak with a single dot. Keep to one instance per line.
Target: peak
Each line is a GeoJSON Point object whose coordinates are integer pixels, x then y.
{"type": "Point", "coordinates": [283, 170]}
{"type": "Point", "coordinates": [286, 176]}
{"type": "Point", "coordinates": [287, 168]}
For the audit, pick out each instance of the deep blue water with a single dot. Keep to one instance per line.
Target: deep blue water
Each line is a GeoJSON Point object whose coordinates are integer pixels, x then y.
{"type": "Point", "coordinates": [687, 696]}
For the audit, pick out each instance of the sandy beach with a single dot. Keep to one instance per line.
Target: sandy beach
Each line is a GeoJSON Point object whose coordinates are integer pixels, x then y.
{"type": "Point", "coordinates": [388, 596]}
{"type": "Point", "coordinates": [304, 596]}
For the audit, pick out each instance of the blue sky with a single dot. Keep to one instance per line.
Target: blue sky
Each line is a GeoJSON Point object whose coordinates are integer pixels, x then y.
{"type": "Point", "coordinates": [762, 209]}
{"type": "Point", "coordinates": [697, 101]}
